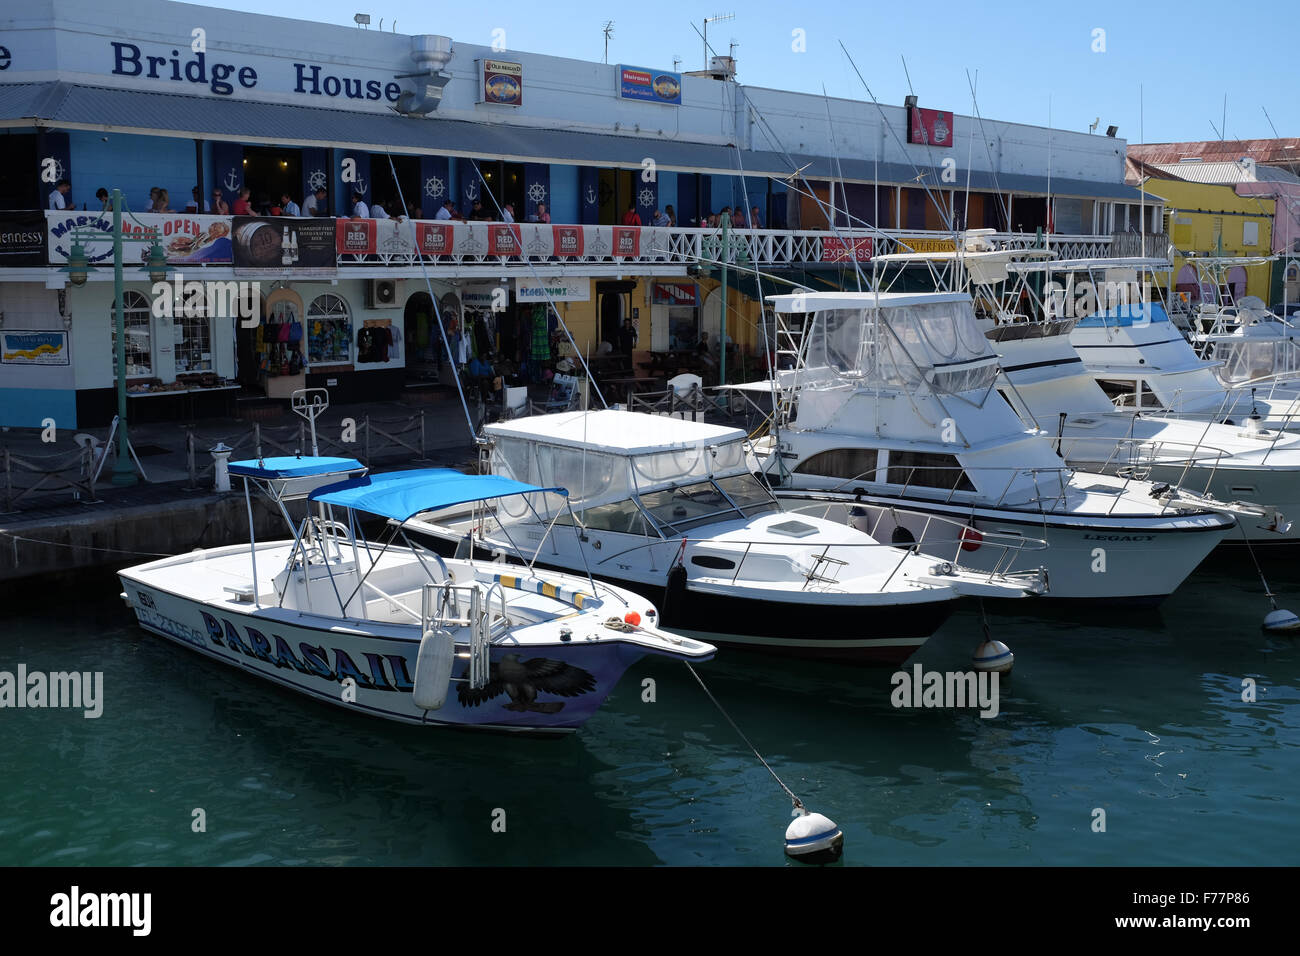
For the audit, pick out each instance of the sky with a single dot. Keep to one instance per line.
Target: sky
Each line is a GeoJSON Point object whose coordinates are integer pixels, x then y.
{"type": "Point", "coordinates": [1160, 72]}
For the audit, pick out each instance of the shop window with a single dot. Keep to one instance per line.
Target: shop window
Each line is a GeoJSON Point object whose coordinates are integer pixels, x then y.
{"type": "Point", "coordinates": [376, 342]}
{"type": "Point", "coordinates": [192, 341]}
{"type": "Point", "coordinates": [139, 354]}
{"type": "Point", "coordinates": [683, 328]}
{"type": "Point", "coordinates": [329, 331]}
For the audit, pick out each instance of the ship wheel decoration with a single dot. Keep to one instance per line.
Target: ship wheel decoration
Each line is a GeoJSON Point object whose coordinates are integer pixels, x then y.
{"type": "Point", "coordinates": [434, 187]}
{"type": "Point", "coordinates": [646, 198]}
{"type": "Point", "coordinates": [55, 166]}
{"type": "Point", "coordinates": [537, 192]}
{"type": "Point", "coordinates": [316, 179]}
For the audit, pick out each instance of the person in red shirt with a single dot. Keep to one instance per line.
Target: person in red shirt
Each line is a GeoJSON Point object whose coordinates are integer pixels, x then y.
{"type": "Point", "coordinates": [242, 206]}
{"type": "Point", "coordinates": [630, 218]}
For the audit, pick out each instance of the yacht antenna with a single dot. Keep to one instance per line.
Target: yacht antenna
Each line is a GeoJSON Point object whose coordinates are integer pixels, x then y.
{"type": "Point", "coordinates": [310, 403]}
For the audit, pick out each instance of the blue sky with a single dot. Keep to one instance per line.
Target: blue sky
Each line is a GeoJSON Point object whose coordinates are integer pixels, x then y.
{"type": "Point", "coordinates": [1175, 60]}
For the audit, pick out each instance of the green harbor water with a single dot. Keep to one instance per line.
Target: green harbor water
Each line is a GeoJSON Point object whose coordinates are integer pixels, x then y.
{"type": "Point", "coordinates": [1139, 714]}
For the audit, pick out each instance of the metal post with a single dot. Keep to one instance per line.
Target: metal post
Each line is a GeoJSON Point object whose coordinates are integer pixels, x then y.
{"type": "Point", "coordinates": [424, 455]}
{"type": "Point", "coordinates": [123, 470]}
{"type": "Point", "coordinates": [365, 422]}
{"type": "Point", "coordinates": [189, 454]}
{"type": "Point", "coordinates": [9, 482]}
{"type": "Point", "coordinates": [722, 337]}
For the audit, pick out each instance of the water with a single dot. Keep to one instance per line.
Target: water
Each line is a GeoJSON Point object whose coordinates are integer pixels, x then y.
{"type": "Point", "coordinates": [1144, 720]}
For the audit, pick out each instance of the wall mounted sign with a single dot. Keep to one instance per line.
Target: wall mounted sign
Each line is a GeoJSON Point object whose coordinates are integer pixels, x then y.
{"type": "Point", "coordinates": [503, 83]}
{"type": "Point", "coordinates": [653, 86]}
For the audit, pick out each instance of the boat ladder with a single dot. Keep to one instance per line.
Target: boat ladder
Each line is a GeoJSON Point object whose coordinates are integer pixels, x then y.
{"type": "Point", "coordinates": [467, 606]}
{"type": "Point", "coordinates": [833, 566]}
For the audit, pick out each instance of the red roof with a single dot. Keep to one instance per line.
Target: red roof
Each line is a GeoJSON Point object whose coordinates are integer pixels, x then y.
{"type": "Point", "coordinates": [1266, 152]}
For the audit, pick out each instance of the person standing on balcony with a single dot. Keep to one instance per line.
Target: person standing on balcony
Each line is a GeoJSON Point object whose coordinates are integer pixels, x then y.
{"type": "Point", "coordinates": [219, 205]}
{"type": "Point", "coordinates": [242, 205]}
{"type": "Point", "coordinates": [59, 198]}
{"type": "Point", "coordinates": [542, 214]}
{"type": "Point", "coordinates": [508, 213]}
{"type": "Point", "coordinates": [314, 202]}
{"type": "Point", "coordinates": [378, 212]}
{"type": "Point", "coordinates": [660, 219]}
{"type": "Point", "coordinates": [444, 212]}
{"type": "Point", "coordinates": [630, 218]}
{"type": "Point", "coordinates": [672, 216]}
{"type": "Point", "coordinates": [755, 221]}
{"type": "Point", "coordinates": [359, 208]}
{"type": "Point", "coordinates": [106, 202]}
{"type": "Point", "coordinates": [193, 205]}
{"type": "Point", "coordinates": [287, 206]}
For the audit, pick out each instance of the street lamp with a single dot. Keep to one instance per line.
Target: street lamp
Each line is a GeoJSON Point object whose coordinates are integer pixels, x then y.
{"type": "Point", "coordinates": [78, 270]}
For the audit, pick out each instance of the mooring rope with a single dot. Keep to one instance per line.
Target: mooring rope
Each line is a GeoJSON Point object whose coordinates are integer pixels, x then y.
{"type": "Point", "coordinates": [798, 804]}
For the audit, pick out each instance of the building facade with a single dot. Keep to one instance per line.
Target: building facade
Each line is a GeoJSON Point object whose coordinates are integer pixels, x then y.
{"type": "Point", "coordinates": [206, 103]}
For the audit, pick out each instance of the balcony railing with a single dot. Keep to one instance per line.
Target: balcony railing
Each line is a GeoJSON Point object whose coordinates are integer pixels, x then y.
{"type": "Point", "coordinates": [287, 245]}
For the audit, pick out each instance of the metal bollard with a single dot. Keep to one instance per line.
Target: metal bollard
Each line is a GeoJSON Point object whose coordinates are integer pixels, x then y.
{"type": "Point", "coordinates": [221, 473]}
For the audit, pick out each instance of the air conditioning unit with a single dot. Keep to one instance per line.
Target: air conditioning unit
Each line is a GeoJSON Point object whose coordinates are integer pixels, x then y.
{"type": "Point", "coordinates": [382, 294]}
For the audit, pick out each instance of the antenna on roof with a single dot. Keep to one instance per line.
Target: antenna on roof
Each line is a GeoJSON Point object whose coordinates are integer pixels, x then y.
{"type": "Point", "coordinates": [716, 18]}
{"type": "Point", "coordinates": [1092, 127]}
{"type": "Point", "coordinates": [608, 30]}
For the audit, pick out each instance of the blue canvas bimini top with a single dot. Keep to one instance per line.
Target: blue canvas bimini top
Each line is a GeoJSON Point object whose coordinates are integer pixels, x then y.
{"type": "Point", "coordinates": [400, 495]}
{"type": "Point", "coordinates": [290, 467]}
{"type": "Point", "coordinates": [1139, 313]}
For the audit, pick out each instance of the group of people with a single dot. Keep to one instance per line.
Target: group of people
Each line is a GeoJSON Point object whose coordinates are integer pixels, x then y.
{"type": "Point", "coordinates": [737, 218]}
{"type": "Point", "coordinates": [480, 213]}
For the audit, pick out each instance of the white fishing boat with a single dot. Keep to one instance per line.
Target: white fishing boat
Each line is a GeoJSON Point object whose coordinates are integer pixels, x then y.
{"type": "Point", "coordinates": [669, 507]}
{"type": "Point", "coordinates": [389, 628]}
{"type": "Point", "coordinates": [891, 405]}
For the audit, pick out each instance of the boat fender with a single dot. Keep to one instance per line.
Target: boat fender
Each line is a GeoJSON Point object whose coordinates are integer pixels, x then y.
{"type": "Point", "coordinates": [433, 669]}
{"type": "Point", "coordinates": [971, 539]}
{"type": "Point", "coordinates": [993, 656]}
{"type": "Point", "coordinates": [813, 838]}
{"type": "Point", "coordinates": [674, 602]}
{"type": "Point", "coordinates": [1280, 619]}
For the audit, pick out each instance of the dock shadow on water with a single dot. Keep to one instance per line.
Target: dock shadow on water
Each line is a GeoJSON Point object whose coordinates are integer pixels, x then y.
{"type": "Point", "coordinates": [1143, 720]}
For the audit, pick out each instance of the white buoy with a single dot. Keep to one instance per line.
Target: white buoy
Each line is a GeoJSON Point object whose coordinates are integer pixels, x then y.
{"type": "Point", "coordinates": [433, 670]}
{"type": "Point", "coordinates": [993, 656]}
{"type": "Point", "coordinates": [813, 838]}
{"type": "Point", "coordinates": [1280, 619]}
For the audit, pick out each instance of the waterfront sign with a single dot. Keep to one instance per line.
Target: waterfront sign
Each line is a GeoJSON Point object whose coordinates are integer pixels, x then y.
{"type": "Point", "coordinates": [22, 239]}
{"type": "Point", "coordinates": [563, 289]}
{"type": "Point", "coordinates": [503, 83]}
{"type": "Point", "coordinates": [654, 86]}
{"type": "Point", "coordinates": [675, 293]}
{"type": "Point", "coordinates": [858, 249]}
{"type": "Point", "coordinates": [930, 127]}
{"type": "Point", "coordinates": [264, 244]}
{"type": "Point", "coordinates": [923, 244]}
{"type": "Point", "coordinates": [34, 348]}
{"type": "Point", "coordinates": [185, 239]}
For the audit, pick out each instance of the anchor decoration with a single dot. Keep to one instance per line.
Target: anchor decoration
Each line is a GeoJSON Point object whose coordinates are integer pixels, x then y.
{"type": "Point", "coordinates": [590, 196]}
{"type": "Point", "coordinates": [471, 191]}
{"type": "Point", "coordinates": [231, 182]}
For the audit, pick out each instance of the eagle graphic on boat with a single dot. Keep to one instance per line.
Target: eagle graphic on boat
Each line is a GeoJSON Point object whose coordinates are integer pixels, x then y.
{"type": "Point", "coordinates": [522, 680]}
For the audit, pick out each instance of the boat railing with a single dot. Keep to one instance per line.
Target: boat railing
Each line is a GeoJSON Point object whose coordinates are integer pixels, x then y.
{"type": "Point", "coordinates": [441, 609]}
{"type": "Point", "coordinates": [1135, 457]}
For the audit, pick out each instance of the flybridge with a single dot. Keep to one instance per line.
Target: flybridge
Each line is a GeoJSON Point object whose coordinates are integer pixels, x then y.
{"type": "Point", "coordinates": [221, 78]}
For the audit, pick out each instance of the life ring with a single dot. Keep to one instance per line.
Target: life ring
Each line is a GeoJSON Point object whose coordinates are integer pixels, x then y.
{"type": "Point", "coordinates": [971, 539]}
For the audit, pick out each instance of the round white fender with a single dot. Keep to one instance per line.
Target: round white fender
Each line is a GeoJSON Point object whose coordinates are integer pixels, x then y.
{"type": "Point", "coordinates": [993, 656]}
{"type": "Point", "coordinates": [1280, 619]}
{"type": "Point", "coordinates": [433, 670]}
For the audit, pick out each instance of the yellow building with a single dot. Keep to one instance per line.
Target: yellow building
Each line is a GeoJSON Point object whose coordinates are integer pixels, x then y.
{"type": "Point", "coordinates": [1207, 219]}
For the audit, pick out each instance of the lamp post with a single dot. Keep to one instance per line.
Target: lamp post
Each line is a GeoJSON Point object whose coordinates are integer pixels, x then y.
{"type": "Point", "coordinates": [78, 269]}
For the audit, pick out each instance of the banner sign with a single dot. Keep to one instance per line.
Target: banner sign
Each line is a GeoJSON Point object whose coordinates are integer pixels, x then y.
{"type": "Point", "coordinates": [564, 289]}
{"type": "Point", "coordinates": [354, 237]}
{"type": "Point", "coordinates": [567, 240]}
{"type": "Point", "coordinates": [655, 86]}
{"type": "Point", "coordinates": [22, 238]}
{"type": "Point", "coordinates": [264, 244]}
{"type": "Point", "coordinates": [184, 238]}
{"type": "Point", "coordinates": [857, 249]}
{"type": "Point", "coordinates": [923, 244]}
{"type": "Point", "coordinates": [503, 83]}
{"type": "Point", "coordinates": [932, 127]}
{"type": "Point", "coordinates": [435, 238]}
{"type": "Point", "coordinates": [504, 240]}
{"type": "Point", "coordinates": [34, 348]}
{"type": "Point", "coordinates": [627, 240]}
{"type": "Point", "coordinates": [675, 293]}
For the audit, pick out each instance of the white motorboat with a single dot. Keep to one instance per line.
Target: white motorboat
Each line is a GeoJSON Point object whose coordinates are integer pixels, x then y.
{"type": "Point", "coordinates": [892, 404]}
{"type": "Point", "coordinates": [392, 629]}
{"type": "Point", "coordinates": [669, 507]}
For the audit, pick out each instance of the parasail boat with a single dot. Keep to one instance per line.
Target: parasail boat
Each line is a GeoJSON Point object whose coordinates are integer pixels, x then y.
{"type": "Point", "coordinates": [389, 628]}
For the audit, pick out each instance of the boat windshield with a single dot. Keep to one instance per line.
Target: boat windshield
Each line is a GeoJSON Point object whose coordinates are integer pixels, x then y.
{"type": "Point", "coordinates": [679, 509]}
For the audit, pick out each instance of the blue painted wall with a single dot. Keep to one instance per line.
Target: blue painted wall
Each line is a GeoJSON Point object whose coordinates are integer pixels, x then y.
{"type": "Point", "coordinates": [132, 164]}
{"type": "Point", "coordinates": [25, 407]}
{"type": "Point", "coordinates": [564, 194]}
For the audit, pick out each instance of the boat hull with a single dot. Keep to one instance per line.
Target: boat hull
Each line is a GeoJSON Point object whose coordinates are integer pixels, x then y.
{"type": "Point", "coordinates": [1136, 563]}
{"type": "Point", "coordinates": [315, 659]}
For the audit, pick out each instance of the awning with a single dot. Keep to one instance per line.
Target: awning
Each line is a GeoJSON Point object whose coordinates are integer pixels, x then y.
{"type": "Point", "coordinates": [400, 495]}
{"type": "Point", "coordinates": [75, 106]}
{"type": "Point", "coordinates": [289, 467]}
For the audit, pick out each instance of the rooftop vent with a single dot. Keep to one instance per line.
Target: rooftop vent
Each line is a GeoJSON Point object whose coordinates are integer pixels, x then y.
{"type": "Point", "coordinates": [431, 53]}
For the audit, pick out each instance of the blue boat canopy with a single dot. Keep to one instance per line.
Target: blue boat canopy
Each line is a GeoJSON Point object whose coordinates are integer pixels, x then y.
{"type": "Point", "coordinates": [401, 495]}
{"type": "Point", "coordinates": [288, 467]}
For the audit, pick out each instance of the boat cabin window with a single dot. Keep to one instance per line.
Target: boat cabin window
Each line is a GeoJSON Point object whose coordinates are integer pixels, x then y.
{"type": "Point", "coordinates": [857, 464]}
{"type": "Point", "coordinates": [749, 494]}
{"type": "Point", "coordinates": [621, 516]}
{"type": "Point", "coordinates": [927, 470]}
